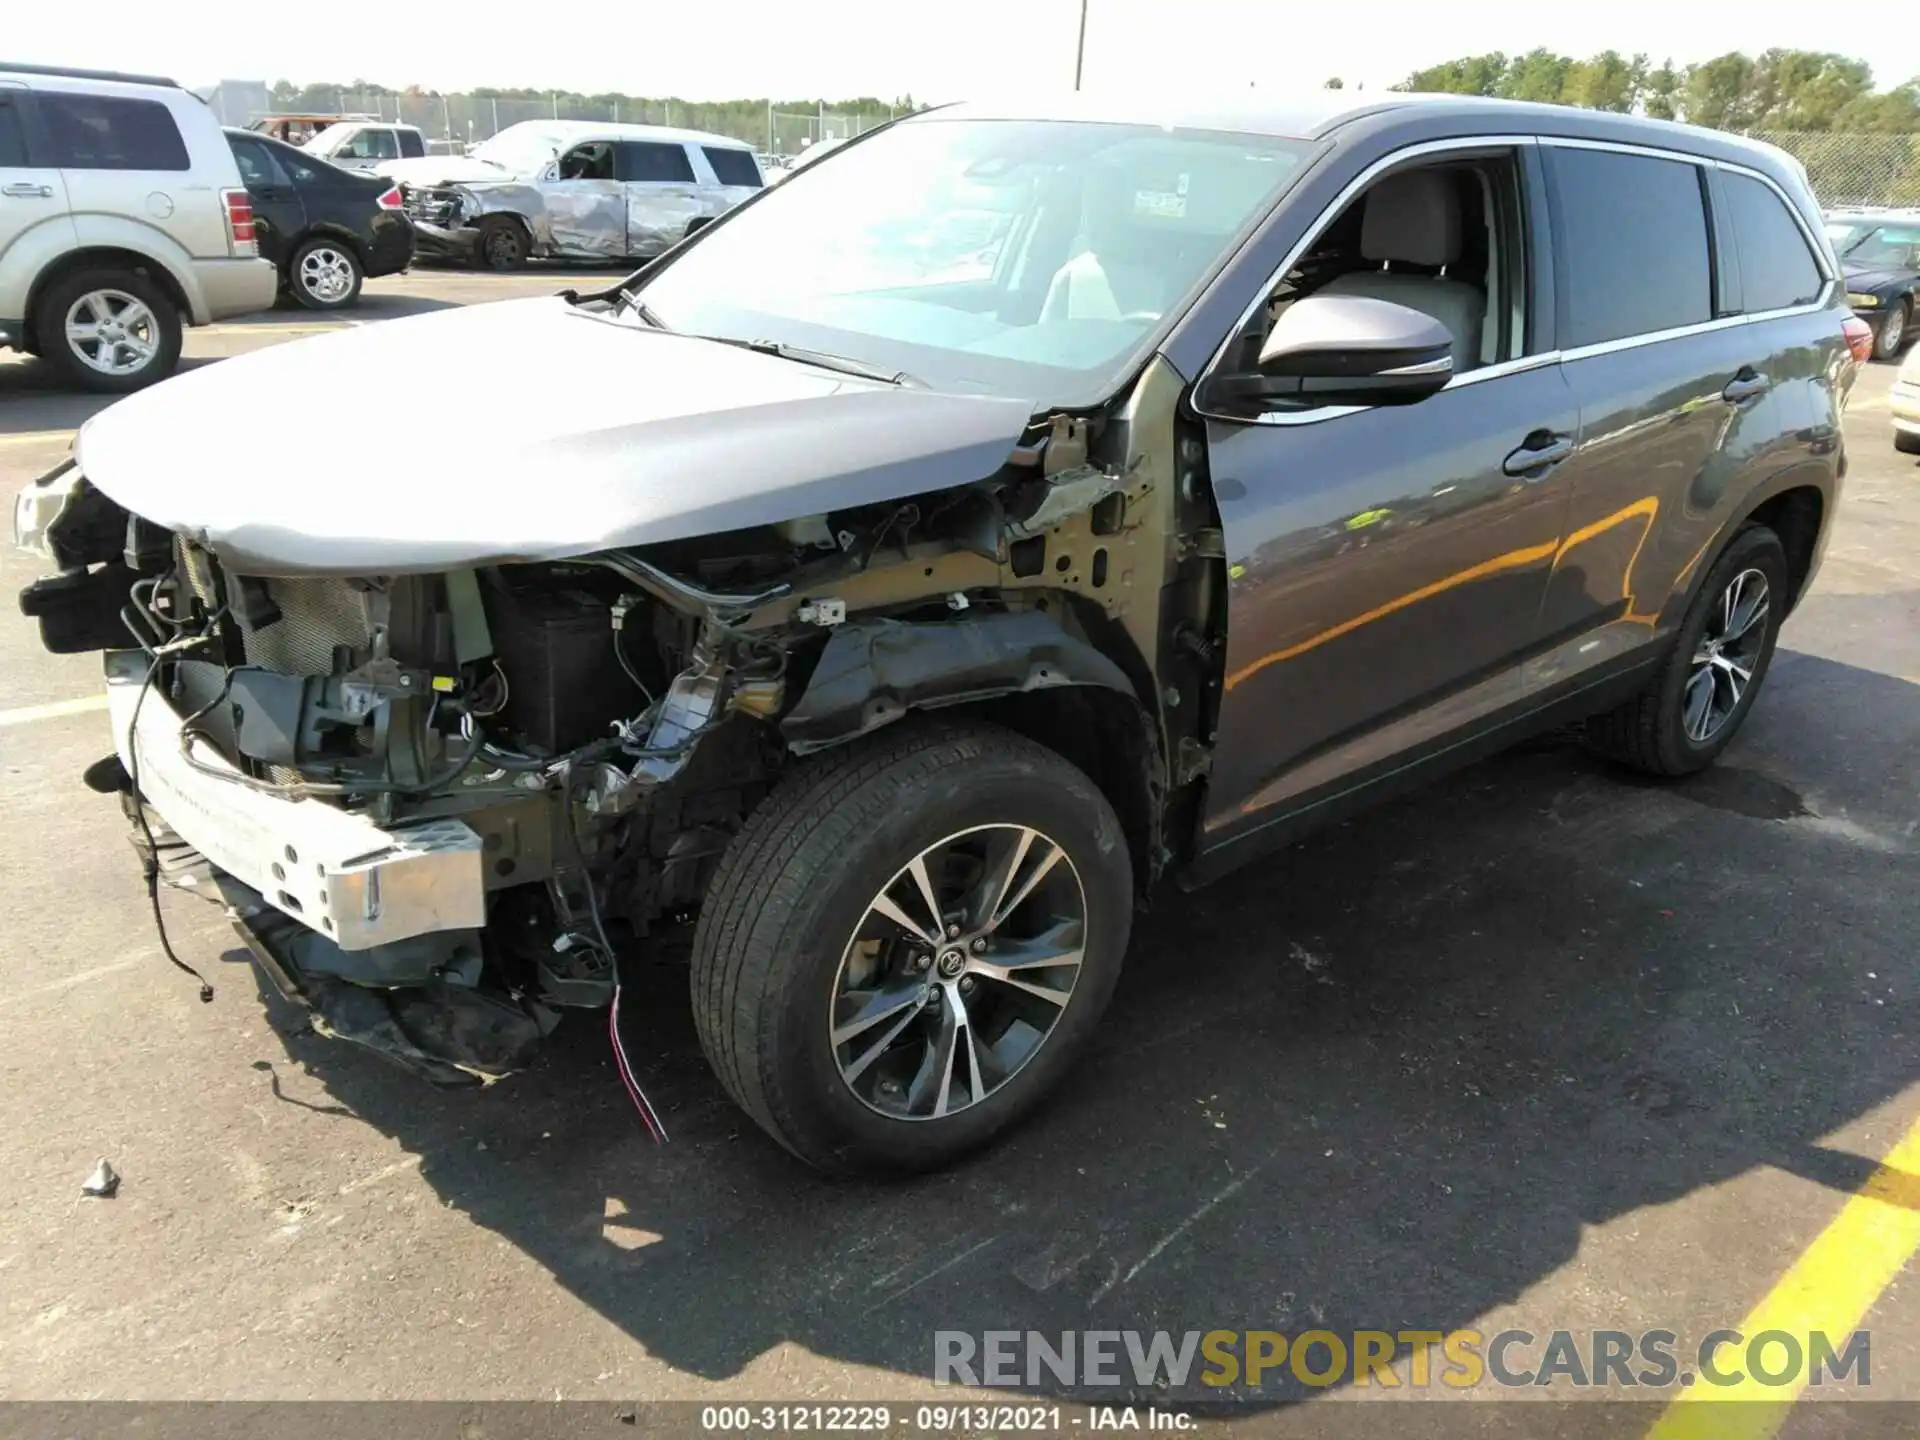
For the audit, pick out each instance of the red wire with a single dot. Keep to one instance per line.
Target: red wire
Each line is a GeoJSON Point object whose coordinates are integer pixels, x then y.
{"type": "Point", "coordinates": [648, 1116]}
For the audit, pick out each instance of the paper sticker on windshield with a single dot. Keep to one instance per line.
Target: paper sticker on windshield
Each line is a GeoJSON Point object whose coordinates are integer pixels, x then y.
{"type": "Point", "coordinates": [1166, 200]}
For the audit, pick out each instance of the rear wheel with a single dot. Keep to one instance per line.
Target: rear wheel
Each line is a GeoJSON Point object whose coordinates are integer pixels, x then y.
{"type": "Point", "coordinates": [110, 331]}
{"type": "Point", "coordinates": [1892, 334]}
{"type": "Point", "coordinates": [910, 943]}
{"type": "Point", "coordinates": [325, 274]}
{"type": "Point", "coordinates": [502, 244]}
{"type": "Point", "coordinates": [1906, 444]}
{"type": "Point", "coordinates": [1694, 703]}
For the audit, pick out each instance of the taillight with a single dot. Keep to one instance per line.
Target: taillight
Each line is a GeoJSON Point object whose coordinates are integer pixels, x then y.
{"type": "Point", "coordinates": [1859, 337]}
{"type": "Point", "coordinates": [392, 200]}
{"type": "Point", "coordinates": [240, 237]}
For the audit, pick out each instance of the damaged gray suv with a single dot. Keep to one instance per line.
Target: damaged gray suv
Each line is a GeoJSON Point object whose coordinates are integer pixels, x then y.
{"type": "Point", "coordinates": [881, 591]}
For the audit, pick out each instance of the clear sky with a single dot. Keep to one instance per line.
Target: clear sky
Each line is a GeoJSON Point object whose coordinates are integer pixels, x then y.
{"type": "Point", "coordinates": [724, 49]}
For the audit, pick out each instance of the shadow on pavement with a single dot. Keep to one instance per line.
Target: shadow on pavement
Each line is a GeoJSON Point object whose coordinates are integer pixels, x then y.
{"type": "Point", "coordinates": [1382, 1080]}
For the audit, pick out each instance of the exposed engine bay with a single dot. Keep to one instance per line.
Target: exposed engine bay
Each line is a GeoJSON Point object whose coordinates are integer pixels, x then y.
{"type": "Point", "coordinates": [440, 805]}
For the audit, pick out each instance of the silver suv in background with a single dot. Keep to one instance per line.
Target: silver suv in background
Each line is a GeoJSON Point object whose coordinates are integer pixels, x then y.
{"type": "Point", "coordinates": [577, 189]}
{"type": "Point", "coordinates": [122, 217]}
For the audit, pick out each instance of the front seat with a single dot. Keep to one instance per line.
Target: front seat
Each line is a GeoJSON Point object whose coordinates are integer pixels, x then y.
{"type": "Point", "coordinates": [1414, 219]}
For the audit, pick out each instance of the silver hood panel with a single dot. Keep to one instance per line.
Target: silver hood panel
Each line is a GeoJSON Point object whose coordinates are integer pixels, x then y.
{"type": "Point", "coordinates": [517, 431]}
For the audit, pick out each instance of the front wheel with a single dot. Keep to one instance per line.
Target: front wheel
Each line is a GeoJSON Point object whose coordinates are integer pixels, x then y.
{"type": "Point", "coordinates": [1690, 709]}
{"type": "Point", "coordinates": [910, 943]}
{"type": "Point", "coordinates": [1892, 334]}
{"type": "Point", "coordinates": [502, 244]}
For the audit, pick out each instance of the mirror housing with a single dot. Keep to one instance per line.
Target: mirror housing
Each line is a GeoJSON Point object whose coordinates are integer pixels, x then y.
{"type": "Point", "coordinates": [1344, 350]}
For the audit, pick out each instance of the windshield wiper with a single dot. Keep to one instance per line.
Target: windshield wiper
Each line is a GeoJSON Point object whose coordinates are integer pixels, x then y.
{"type": "Point", "coordinates": [641, 308]}
{"type": "Point", "coordinates": [824, 360]}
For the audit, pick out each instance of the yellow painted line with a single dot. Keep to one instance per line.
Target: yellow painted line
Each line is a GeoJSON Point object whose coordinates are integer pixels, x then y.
{"type": "Point", "coordinates": [1828, 1290]}
{"type": "Point", "coordinates": [56, 710]}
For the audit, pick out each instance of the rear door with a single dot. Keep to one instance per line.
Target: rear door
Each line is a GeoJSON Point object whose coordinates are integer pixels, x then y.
{"type": "Point", "coordinates": [663, 193]}
{"type": "Point", "coordinates": [1686, 403]}
{"type": "Point", "coordinates": [32, 196]}
{"type": "Point", "coordinates": [279, 212]}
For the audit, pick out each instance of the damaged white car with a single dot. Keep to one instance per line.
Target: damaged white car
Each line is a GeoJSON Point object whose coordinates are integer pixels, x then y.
{"type": "Point", "coordinates": [572, 189]}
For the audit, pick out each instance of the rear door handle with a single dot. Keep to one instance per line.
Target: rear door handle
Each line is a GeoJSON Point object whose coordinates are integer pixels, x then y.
{"type": "Point", "coordinates": [1541, 449]}
{"type": "Point", "coordinates": [1745, 386]}
{"type": "Point", "coordinates": [26, 190]}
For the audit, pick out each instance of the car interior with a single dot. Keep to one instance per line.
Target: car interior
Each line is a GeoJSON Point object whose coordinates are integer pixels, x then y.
{"type": "Point", "coordinates": [592, 161]}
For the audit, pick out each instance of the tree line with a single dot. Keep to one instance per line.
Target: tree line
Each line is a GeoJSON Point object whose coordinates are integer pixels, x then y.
{"type": "Point", "coordinates": [1799, 90]}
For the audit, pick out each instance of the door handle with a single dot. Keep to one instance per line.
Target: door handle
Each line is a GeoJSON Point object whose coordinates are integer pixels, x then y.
{"type": "Point", "coordinates": [1538, 451]}
{"type": "Point", "coordinates": [1744, 386]}
{"type": "Point", "coordinates": [27, 190]}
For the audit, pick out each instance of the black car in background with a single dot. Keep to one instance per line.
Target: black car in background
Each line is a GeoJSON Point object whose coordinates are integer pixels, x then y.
{"type": "Point", "coordinates": [326, 229]}
{"type": "Point", "coordinates": [1880, 253]}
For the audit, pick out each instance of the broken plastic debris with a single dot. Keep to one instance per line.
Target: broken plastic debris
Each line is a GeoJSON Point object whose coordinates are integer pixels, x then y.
{"type": "Point", "coordinates": [102, 1182]}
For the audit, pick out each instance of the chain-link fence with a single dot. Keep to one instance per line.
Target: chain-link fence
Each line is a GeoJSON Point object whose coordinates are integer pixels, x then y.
{"type": "Point", "coordinates": [453, 122]}
{"type": "Point", "coordinates": [1855, 169]}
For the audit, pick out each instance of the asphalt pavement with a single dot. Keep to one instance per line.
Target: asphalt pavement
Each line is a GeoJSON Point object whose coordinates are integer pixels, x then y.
{"type": "Point", "coordinates": [1547, 1047]}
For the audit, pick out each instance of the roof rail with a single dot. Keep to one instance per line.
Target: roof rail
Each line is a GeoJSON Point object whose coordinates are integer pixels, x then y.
{"type": "Point", "coordinates": [68, 72]}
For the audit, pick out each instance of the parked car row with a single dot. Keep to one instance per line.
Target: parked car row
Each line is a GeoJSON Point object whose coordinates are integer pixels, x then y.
{"type": "Point", "coordinates": [1880, 252]}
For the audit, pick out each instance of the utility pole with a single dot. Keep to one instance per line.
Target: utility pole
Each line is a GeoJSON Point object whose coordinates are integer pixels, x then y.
{"type": "Point", "coordinates": [1080, 54]}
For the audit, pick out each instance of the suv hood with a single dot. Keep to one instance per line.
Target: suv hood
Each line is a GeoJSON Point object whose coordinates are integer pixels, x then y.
{"type": "Point", "coordinates": [517, 431]}
{"type": "Point", "coordinates": [443, 170]}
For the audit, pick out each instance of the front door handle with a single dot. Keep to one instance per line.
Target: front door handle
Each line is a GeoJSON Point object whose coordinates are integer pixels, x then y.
{"type": "Point", "coordinates": [1745, 386]}
{"type": "Point", "coordinates": [1541, 449]}
{"type": "Point", "coordinates": [27, 190]}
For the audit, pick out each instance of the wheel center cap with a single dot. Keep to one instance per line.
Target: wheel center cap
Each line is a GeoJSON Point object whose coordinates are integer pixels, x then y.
{"type": "Point", "coordinates": [951, 963]}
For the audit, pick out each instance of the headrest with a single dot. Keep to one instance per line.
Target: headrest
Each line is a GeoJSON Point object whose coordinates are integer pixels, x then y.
{"type": "Point", "coordinates": [1412, 217]}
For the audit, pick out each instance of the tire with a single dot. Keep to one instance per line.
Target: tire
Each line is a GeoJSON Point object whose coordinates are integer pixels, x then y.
{"type": "Point", "coordinates": [502, 244]}
{"type": "Point", "coordinates": [1891, 334]}
{"type": "Point", "coordinates": [143, 315]}
{"type": "Point", "coordinates": [782, 928]}
{"type": "Point", "coordinates": [1906, 444]}
{"type": "Point", "coordinates": [325, 274]}
{"type": "Point", "coordinates": [1651, 732]}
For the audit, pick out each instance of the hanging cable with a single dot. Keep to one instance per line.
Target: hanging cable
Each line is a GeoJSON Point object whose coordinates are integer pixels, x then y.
{"type": "Point", "coordinates": [150, 856]}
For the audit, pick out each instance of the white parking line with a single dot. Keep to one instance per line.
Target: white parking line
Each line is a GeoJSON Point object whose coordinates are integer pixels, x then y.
{"type": "Point", "coordinates": [35, 437]}
{"type": "Point", "coordinates": [54, 710]}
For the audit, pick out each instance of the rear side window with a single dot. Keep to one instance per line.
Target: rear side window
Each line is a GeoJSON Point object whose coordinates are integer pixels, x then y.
{"type": "Point", "coordinates": [1777, 269]}
{"type": "Point", "coordinates": [651, 160]}
{"type": "Point", "coordinates": [1632, 237]}
{"type": "Point", "coordinates": [411, 145]}
{"type": "Point", "coordinates": [13, 144]}
{"type": "Point", "coordinates": [732, 167]}
{"type": "Point", "coordinates": [258, 168]}
{"type": "Point", "coordinates": [107, 132]}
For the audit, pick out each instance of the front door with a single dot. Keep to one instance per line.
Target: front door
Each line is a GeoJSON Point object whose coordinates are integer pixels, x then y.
{"type": "Point", "coordinates": [1386, 565]}
{"type": "Point", "coordinates": [586, 209]}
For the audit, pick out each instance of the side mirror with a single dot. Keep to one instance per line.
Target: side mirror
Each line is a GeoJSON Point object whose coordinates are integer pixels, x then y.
{"type": "Point", "coordinates": [1345, 350]}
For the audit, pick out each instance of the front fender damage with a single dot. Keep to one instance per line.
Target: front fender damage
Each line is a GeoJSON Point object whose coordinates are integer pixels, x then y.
{"type": "Point", "coordinates": [872, 672]}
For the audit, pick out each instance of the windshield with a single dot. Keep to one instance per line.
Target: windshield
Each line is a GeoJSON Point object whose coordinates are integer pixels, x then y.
{"type": "Point", "coordinates": [1889, 246]}
{"type": "Point", "coordinates": [524, 149]}
{"type": "Point", "coordinates": [1011, 257]}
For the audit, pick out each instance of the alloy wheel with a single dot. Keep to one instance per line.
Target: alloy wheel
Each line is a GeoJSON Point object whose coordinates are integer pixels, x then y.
{"type": "Point", "coordinates": [1723, 662]}
{"type": "Point", "coordinates": [958, 972]}
{"type": "Point", "coordinates": [112, 332]}
{"type": "Point", "coordinates": [326, 274]}
{"type": "Point", "coordinates": [1893, 330]}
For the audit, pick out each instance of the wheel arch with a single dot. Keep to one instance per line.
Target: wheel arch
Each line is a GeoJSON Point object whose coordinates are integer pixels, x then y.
{"type": "Point", "coordinates": [1016, 669]}
{"type": "Point", "coordinates": [330, 230]}
{"type": "Point", "coordinates": [102, 257]}
{"type": "Point", "coordinates": [1796, 506]}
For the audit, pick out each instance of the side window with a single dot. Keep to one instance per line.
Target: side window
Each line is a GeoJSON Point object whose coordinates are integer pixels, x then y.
{"type": "Point", "coordinates": [592, 161]}
{"type": "Point", "coordinates": [1777, 269]}
{"type": "Point", "coordinates": [651, 160]}
{"type": "Point", "coordinates": [305, 169]}
{"type": "Point", "coordinates": [411, 144]}
{"type": "Point", "coordinates": [13, 140]}
{"type": "Point", "coordinates": [1632, 244]}
{"type": "Point", "coordinates": [1447, 239]}
{"type": "Point", "coordinates": [375, 144]}
{"type": "Point", "coordinates": [106, 132]}
{"type": "Point", "coordinates": [732, 167]}
{"type": "Point", "coordinates": [257, 165]}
